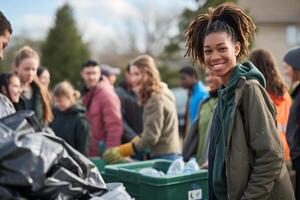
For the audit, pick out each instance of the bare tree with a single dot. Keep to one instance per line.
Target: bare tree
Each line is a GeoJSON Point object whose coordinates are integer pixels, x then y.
{"type": "Point", "coordinates": [157, 29]}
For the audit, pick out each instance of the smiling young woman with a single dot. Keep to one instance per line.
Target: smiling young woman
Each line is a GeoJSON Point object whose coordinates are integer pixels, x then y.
{"type": "Point", "coordinates": [160, 124]}
{"type": "Point", "coordinates": [34, 96]}
{"type": "Point", "coordinates": [245, 156]}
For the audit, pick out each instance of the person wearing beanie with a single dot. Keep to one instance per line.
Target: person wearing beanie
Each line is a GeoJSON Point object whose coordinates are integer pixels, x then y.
{"type": "Point", "coordinates": [110, 72]}
{"type": "Point", "coordinates": [292, 70]}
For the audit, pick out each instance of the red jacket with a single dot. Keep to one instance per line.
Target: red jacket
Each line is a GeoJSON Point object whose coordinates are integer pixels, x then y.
{"type": "Point", "coordinates": [104, 114]}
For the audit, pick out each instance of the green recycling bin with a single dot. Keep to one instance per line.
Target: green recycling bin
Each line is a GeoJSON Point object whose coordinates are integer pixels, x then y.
{"type": "Point", "coordinates": [192, 186]}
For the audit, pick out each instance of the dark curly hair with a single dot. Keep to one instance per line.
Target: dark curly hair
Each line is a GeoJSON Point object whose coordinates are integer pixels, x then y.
{"type": "Point", "coordinates": [228, 18]}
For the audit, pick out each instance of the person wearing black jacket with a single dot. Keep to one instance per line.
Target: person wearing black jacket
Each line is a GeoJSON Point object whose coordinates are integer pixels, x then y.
{"type": "Point", "coordinates": [132, 111]}
{"type": "Point", "coordinates": [292, 70]}
{"type": "Point", "coordinates": [69, 121]}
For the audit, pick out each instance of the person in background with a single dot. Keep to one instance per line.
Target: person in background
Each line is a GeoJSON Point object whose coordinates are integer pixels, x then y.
{"type": "Point", "coordinates": [160, 130]}
{"type": "Point", "coordinates": [35, 96]}
{"type": "Point", "coordinates": [277, 90]}
{"type": "Point", "coordinates": [246, 159]}
{"type": "Point", "coordinates": [10, 86]}
{"type": "Point", "coordinates": [44, 76]}
{"type": "Point", "coordinates": [196, 94]}
{"type": "Point", "coordinates": [6, 107]}
{"type": "Point", "coordinates": [292, 70]}
{"type": "Point", "coordinates": [103, 108]}
{"type": "Point", "coordinates": [69, 121]}
{"type": "Point", "coordinates": [196, 143]}
{"type": "Point", "coordinates": [110, 72]}
{"type": "Point", "coordinates": [132, 111]}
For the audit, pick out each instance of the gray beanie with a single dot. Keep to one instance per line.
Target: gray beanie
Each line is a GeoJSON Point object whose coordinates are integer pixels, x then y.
{"type": "Point", "coordinates": [292, 58]}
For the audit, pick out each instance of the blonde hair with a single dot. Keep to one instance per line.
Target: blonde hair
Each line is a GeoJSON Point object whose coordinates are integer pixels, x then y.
{"type": "Point", "coordinates": [146, 64]}
{"type": "Point", "coordinates": [26, 52]}
{"type": "Point", "coordinates": [65, 89]}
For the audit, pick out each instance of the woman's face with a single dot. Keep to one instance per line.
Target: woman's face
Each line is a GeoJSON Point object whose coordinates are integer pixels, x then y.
{"type": "Point", "coordinates": [63, 103]}
{"type": "Point", "coordinates": [14, 89]}
{"type": "Point", "coordinates": [137, 78]}
{"type": "Point", "coordinates": [220, 54]}
{"type": "Point", "coordinates": [27, 70]}
{"type": "Point", "coordinates": [45, 78]}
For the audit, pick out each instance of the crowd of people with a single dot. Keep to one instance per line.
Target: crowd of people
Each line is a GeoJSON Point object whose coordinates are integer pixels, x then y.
{"type": "Point", "coordinates": [242, 124]}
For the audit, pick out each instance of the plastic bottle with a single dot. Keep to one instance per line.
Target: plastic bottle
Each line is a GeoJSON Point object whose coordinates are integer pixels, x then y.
{"type": "Point", "coordinates": [191, 166]}
{"type": "Point", "coordinates": [151, 172]}
{"type": "Point", "coordinates": [176, 167]}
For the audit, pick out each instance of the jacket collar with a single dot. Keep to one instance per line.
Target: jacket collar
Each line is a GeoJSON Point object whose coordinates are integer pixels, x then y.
{"type": "Point", "coordinates": [296, 91]}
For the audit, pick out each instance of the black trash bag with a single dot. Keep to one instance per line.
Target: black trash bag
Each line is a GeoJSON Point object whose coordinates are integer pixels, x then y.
{"type": "Point", "coordinates": [35, 164]}
{"type": "Point", "coordinates": [21, 118]}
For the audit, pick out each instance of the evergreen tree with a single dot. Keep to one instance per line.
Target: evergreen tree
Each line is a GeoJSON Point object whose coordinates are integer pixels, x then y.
{"type": "Point", "coordinates": [63, 51]}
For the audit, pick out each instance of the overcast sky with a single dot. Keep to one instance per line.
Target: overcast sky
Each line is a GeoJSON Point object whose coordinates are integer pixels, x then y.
{"type": "Point", "coordinates": [98, 20]}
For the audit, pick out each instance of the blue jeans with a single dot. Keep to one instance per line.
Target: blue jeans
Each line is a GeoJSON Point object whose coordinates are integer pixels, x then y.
{"type": "Point", "coordinates": [169, 156]}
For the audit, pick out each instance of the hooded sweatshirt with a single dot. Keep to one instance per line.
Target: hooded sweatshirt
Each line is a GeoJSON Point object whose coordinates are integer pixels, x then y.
{"type": "Point", "coordinates": [72, 126]}
{"type": "Point", "coordinates": [224, 111]}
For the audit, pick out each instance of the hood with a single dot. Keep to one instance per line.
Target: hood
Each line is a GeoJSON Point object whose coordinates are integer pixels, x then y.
{"type": "Point", "coordinates": [73, 110]}
{"type": "Point", "coordinates": [247, 70]}
{"type": "Point", "coordinates": [167, 92]}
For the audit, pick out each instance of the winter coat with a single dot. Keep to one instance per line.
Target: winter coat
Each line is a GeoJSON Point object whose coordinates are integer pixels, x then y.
{"type": "Point", "coordinates": [293, 128]}
{"type": "Point", "coordinates": [72, 126]}
{"type": "Point", "coordinates": [160, 132]}
{"type": "Point", "coordinates": [132, 112]}
{"type": "Point", "coordinates": [104, 115]}
{"type": "Point", "coordinates": [34, 103]}
{"type": "Point", "coordinates": [6, 107]}
{"type": "Point", "coordinates": [253, 165]}
{"type": "Point", "coordinates": [283, 105]}
{"type": "Point", "coordinates": [196, 142]}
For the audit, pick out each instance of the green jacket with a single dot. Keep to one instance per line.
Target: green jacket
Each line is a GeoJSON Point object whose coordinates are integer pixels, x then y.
{"type": "Point", "coordinates": [254, 158]}
{"type": "Point", "coordinates": [160, 132]}
{"type": "Point", "coordinates": [34, 103]}
{"type": "Point", "coordinates": [72, 126]}
{"type": "Point", "coordinates": [196, 142]}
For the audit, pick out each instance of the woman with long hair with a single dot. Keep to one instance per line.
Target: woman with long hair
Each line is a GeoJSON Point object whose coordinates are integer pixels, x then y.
{"type": "Point", "coordinates": [246, 158]}
{"type": "Point", "coordinates": [44, 76]}
{"type": "Point", "coordinates": [277, 90]}
{"type": "Point", "coordinates": [160, 133]}
{"type": "Point", "coordinates": [35, 96]}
